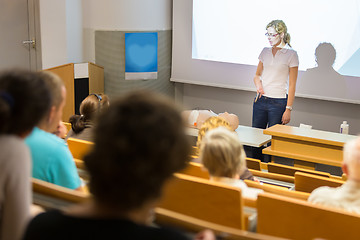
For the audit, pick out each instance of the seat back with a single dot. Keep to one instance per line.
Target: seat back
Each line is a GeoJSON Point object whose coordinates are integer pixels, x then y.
{"type": "Point", "coordinates": [274, 176]}
{"type": "Point", "coordinates": [194, 152]}
{"type": "Point", "coordinates": [305, 182]}
{"type": "Point", "coordinates": [295, 219]}
{"type": "Point", "coordinates": [79, 148]}
{"type": "Point", "coordinates": [67, 125]}
{"type": "Point", "coordinates": [278, 190]}
{"type": "Point", "coordinates": [290, 170]}
{"type": "Point", "coordinates": [205, 200]}
{"type": "Point", "coordinates": [196, 170]}
{"type": "Point", "coordinates": [253, 163]}
{"type": "Point", "coordinates": [193, 225]}
{"type": "Point", "coordinates": [49, 195]}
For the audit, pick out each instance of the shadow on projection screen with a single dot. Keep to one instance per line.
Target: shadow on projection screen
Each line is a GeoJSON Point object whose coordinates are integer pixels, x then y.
{"type": "Point", "coordinates": [232, 31]}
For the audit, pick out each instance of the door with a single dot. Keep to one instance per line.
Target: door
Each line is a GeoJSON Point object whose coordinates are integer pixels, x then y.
{"type": "Point", "coordinates": [17, 31]}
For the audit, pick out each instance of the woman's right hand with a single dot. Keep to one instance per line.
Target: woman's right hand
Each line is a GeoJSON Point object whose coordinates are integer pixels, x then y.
{"type": "Point", "coordinates": [260, 90]}
{"type": "Point", "coordinates": [257, 80]}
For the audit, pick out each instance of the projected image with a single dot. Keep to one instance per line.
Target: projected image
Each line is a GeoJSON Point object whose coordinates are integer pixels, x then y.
{"type": "Point", "coordinates": [233, 31]}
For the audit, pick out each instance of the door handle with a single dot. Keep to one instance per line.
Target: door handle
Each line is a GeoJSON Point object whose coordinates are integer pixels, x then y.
{"type": "Point", "coordinates": [32, 42]}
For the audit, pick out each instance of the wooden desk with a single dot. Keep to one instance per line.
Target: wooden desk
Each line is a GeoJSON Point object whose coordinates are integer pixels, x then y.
{"type": "Point", "coordinates": [248, 136]}
{"type": "Point", "coordinates": [307, 145]}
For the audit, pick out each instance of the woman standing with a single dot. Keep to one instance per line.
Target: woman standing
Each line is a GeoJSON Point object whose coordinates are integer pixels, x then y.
{"type": "Point", "coordinates": [275, 78]}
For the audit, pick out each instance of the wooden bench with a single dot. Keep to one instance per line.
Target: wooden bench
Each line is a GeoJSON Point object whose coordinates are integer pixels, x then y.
{"type": "Point", "coordinates": [290, 170]}
{"type": "Point", "coordinates": [79, 164]}
{"type": "Point", "coordinates": [67, 125]}
{"type": "Point", "coordinates": [196, 170]}
{"type": "Point", "coordinates": [274, 176]}
{"type": "Point", "coordinates": [278, 190]}
{"type": "Point", "coordinates": [79, 148]}
{"type": "Point", "coordinates": [193, 225]}
{"type": "Point", "coordinates": [253, 163]}
{"type": "Point", "coordinates": [205, 200]}
{"type": "Point", "coordinates": [49, 195]}
{"type": "Point", "coordinates": [305, 182]}
{"type": "Point", "coordinates": [291, 218]}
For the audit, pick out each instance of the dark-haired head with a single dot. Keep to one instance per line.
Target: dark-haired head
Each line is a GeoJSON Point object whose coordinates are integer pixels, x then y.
{"type": "Point", "coordinates": [24, 100]}
{"type": "Point", "coordinates": [139, 143]}
{"type": "Point", "coordinates": [90, 107]}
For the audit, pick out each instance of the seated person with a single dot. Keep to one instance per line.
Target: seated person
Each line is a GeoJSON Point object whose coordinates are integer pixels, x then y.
{"type": "Point", "coordinates": [224, 157]}
{"type": "Point", "coordinates": [61, 130]}
{"type": "Point", "coordinates": [347, 196]}
{"type": "Point", "coordinates": [51, 157]}
{"type": "Point", "coordinates": [215, 122]}
{"type": "Point", "coordinates": [128, 170]}
{"type": "Point", "coordinates": [24, 100]}
{"type": "Point", "coordinates": [90, 108]}
{"type": "Point", "coordinates": [196, 118]}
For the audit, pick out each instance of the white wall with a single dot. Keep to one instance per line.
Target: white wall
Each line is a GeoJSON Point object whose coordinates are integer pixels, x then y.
{"type": "Point", "coordinates": [322, 115]}
{"type": "Point", "coordinates": [74, 31]}
{"type": "Point", "coordinates": [53, 32]}
{"type": "Point", "coordinates": [132, 15]}
{"type": "Point", "coordinates": [61, 32]}
{"type": "Point", "coordinates": [68, 26]}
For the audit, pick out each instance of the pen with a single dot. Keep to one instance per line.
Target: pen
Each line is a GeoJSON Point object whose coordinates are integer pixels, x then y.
{"type": "Point", "coordinates": [257, 96]}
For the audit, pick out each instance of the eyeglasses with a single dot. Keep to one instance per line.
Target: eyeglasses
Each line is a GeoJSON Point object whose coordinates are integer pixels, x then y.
{"type": "Point", "coordinates": [271, 35]}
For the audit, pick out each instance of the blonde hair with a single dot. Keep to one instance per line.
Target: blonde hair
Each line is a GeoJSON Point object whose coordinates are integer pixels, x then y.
{"type": "Point", "coordinates": [211, 123]}
{"type": "Point", "coordinates": [280, 27]}
{"type": "Point", "coordinates": [222, 153]}
{"type": "Point", "coordinates": [352, 158]}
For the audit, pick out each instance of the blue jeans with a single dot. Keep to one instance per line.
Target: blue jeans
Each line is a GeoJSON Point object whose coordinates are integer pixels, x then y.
{"type": "Point", "coordinates": [268, 111]}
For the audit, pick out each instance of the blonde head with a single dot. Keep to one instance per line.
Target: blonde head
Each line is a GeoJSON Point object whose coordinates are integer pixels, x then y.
{"type": "Point", "coordinates": [352, 158]}
{"type": "Point", "coordinates": [222, 153]}
{"type": "Point", "coordinates": [280, 27]}
{"type": "Point", "coordinates": [211, 123]}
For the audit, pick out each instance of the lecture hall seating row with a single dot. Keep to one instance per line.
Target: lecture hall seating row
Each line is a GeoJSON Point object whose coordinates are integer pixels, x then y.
{"type": "Point", "coordinates": [275, 171]}
{"type": "Point", "coordinates": [236, 197]}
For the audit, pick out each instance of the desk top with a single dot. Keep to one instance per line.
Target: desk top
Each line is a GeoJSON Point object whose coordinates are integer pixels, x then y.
{"type": "Point", "coordinates": [248, 136]}
{"type": "Point", "coordinates": [331, 138]}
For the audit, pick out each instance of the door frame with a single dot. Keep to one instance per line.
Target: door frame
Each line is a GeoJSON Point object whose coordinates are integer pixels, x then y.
{"type": "Point", "coordinates": [35, 33]}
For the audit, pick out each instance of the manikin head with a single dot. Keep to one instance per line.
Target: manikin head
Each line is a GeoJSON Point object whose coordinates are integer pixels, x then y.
{"type": "Point", "coordinates": [232, 119]}
{"type": "Point", "coordinates": [351, 162]}
{"type": "Point", "coordinates": [277, 33]}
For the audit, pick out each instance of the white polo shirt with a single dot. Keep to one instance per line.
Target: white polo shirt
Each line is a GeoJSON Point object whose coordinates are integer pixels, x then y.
{"type": "Point", "coordinates": [275, 74]}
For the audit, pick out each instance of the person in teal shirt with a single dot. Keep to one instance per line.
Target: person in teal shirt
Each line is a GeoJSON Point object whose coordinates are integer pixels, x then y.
{"type": "Point", "coordinates": [52, 159]}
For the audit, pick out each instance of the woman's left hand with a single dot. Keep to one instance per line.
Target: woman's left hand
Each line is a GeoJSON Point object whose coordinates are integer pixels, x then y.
{"type": "Point", "coordinates": [286, 117]}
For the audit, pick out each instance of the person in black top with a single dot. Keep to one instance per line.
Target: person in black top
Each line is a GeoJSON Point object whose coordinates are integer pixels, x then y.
{"type": "Point", "coordinates": [139, 143]}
